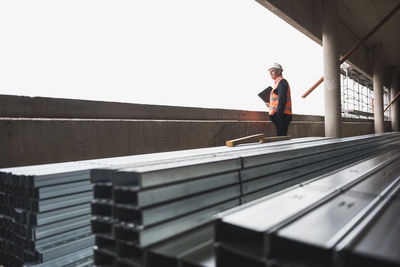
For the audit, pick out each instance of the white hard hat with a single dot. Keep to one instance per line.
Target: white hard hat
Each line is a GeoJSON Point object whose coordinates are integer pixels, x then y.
{"type": "Point", "coordinates": [275, 66]}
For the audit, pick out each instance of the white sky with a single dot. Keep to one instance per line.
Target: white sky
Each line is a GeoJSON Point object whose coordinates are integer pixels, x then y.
{"type": "Point", "coordinates": [209, 53]}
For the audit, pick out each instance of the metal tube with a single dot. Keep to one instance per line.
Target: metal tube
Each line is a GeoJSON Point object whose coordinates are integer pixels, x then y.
{"type": "Point", "coordinates": [391, 102]}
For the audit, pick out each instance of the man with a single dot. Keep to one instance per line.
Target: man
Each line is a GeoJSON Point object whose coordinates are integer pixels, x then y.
{"type": "Point", "coordinates": [280, 105]}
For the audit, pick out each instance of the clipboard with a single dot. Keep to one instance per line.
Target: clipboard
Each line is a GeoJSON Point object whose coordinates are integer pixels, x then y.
{"type": "Point", "coordinates": [264, 95]}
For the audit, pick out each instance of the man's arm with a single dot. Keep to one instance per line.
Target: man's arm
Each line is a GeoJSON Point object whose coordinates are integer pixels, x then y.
{"type": "Point", "coordinates": [282, 92]}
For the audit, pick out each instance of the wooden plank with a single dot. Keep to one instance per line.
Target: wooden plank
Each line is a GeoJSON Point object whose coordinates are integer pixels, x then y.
{"type": "Point", "coordinates": [244, 140]}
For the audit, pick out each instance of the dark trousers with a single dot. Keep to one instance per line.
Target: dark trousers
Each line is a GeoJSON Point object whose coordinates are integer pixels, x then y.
{"type": "Point", "coordinates": [281, 124]}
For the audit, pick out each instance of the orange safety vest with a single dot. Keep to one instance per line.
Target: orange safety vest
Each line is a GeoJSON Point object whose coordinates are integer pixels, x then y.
{"type": "Point", "coordinates": [274, 100]}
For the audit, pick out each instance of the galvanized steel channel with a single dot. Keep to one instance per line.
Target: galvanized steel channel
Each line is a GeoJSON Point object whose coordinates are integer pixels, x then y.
{"type": "Point", "coordinates": [320, 222]}
{"type": "Point", "coordinates": [143, 205]}
{"type": "Point", "coordinates": [157, 209]}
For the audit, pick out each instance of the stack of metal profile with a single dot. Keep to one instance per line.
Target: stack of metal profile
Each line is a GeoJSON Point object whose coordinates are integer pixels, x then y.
{"type": "Point", "coordinates": [154, 209]}
{"type": "Point", "coordinates": [45, 212]}
{"type": "Point", "coordinates": [45, 215]}
{"type": "Point", "coordinates": [141, 207]}
{"type": "Point", "coordinates": [151, 205]}
{"type": "Point", "coordinates": [265, 172]}
{"type": "Point", "coordinates": [349, 217]}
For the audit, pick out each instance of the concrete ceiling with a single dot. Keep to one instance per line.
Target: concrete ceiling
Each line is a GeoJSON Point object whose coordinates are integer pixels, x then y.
{"type": "Point", "coordinates": [357, 19]}
{"type": "Point", "coordinates": [361, 16]}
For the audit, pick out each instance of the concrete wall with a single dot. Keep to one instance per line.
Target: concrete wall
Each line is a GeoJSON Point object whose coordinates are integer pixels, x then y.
{"type": "Point", "coordinates": [38, 141]}
{"type": "Point", "coordinates": [45, 107]}
{"type": "Point", "coordinates": [69, 130]}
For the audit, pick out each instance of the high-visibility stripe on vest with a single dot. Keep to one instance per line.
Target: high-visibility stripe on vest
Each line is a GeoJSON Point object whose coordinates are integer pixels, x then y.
{"type": "Point", "coordinates": [274, 100]}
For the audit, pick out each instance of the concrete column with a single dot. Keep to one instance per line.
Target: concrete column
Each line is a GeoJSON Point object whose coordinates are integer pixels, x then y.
{"type": "Point", "coordinates": [377, 78]}
{"type": "Point", "coordinates": [394, 108]}
{"type": "Point", "coordinates": [330, 48]}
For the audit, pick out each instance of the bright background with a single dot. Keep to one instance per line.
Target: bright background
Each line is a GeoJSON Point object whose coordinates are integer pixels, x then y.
{"type": "Point", "coordinates": [209, 53]}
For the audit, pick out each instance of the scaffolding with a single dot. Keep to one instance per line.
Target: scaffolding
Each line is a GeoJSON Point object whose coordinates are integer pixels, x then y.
{"type": "Point", "coordinates": [357, 95]}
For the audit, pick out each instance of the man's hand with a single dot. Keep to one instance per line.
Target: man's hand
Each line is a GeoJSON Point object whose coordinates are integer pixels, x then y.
{"type": "Point", "coordinates": [267, 104]}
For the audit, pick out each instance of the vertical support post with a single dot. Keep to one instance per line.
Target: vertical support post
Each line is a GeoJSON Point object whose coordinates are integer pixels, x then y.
{"type": "Point", "coordinates": [330, 47]}
{"type": "Point", "coordinates": [377, 78]}
{"type": "Point", "coordinates": [394, 108]}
